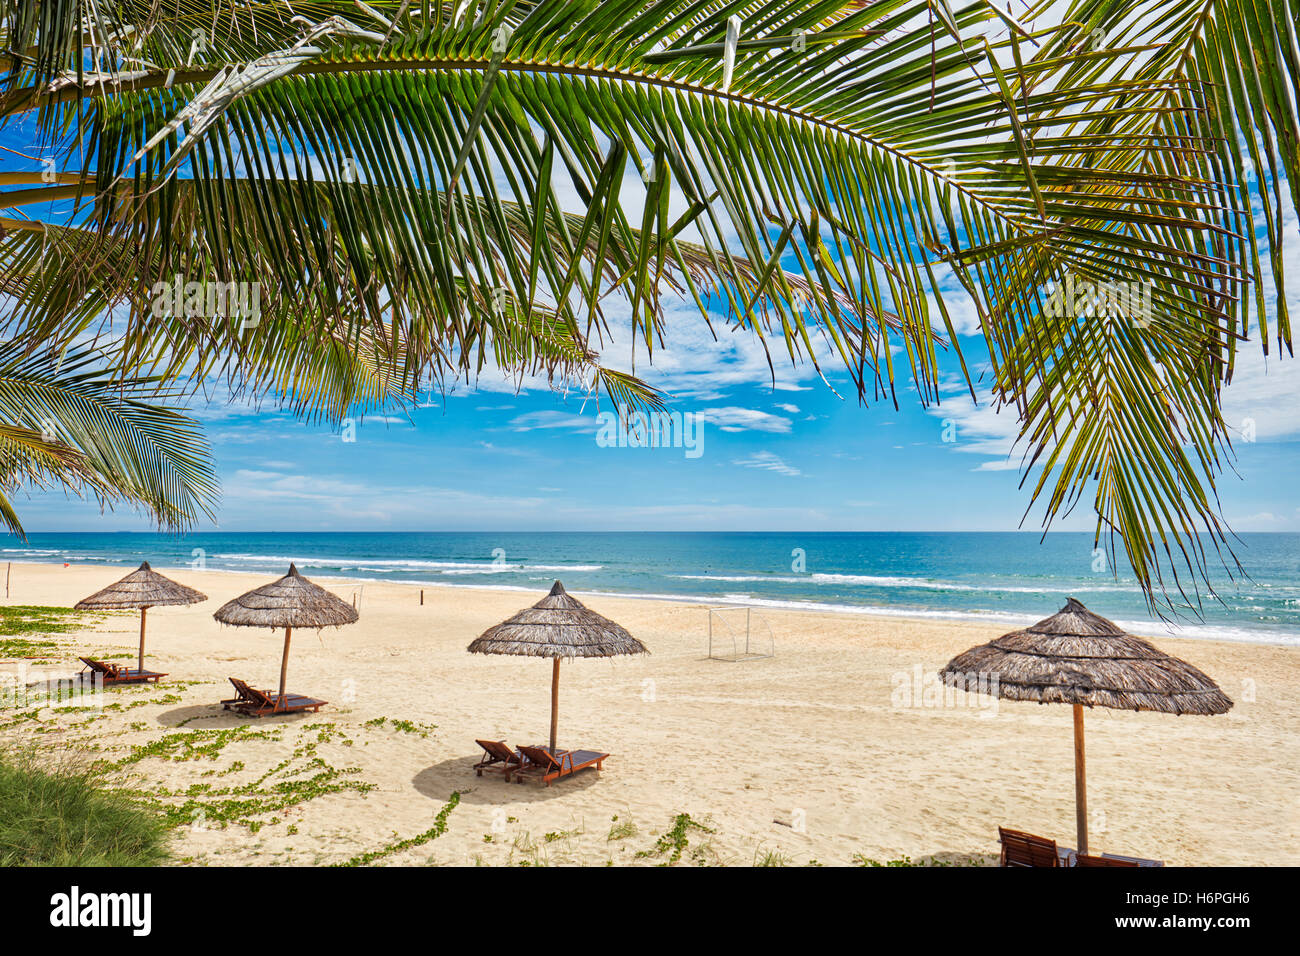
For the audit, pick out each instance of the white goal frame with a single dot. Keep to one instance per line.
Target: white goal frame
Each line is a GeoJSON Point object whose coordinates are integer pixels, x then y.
{"type": "Point", "coordinates": [756, 643]}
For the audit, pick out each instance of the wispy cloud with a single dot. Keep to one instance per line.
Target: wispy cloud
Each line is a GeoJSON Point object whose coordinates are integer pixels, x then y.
{"type": "Point", "coordinates": [978, 430]}
{"type": "Point", "coordinates": [768, 461]}
{"type": "Point", "coordinates": [734, 419]}
{"type": "Point", "coordinates": [552, 419]}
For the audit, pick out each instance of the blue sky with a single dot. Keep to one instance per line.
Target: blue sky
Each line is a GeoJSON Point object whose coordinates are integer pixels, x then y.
{"type": "Point", "coordinates": [793, 457]}
{"type": "Point", "coordinates": [506, 454]}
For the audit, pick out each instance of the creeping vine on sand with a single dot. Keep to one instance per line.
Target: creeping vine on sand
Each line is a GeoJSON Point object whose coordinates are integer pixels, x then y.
{"type": "Point", "coordinates": [438, 829]}
{"type": "Point", "coordinates": [676, 840]}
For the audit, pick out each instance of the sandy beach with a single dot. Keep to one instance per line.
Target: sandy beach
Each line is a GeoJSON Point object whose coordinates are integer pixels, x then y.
{"type": "Point", "coordinates": [815, 755]}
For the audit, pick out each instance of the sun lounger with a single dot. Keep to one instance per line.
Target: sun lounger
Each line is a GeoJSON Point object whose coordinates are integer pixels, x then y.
{"type": "Point", "coordinates": [540, 763]}
{"type": "Point", "coordinates": [498, 758]}
{"type": "Point", "coordinates": [259, 703]}
{"type": "Point", "coordinates": [1084, 859]}
{"type": "Point", "coordinates": [1025, 849]}
{"type": "Point", "coordinates": [1113, 859]}
{"type": "Point", "coordinates": [114, 674]}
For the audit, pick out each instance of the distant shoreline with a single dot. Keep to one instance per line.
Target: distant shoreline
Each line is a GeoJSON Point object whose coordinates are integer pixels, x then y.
{"type": "Point", "coordinates": [1008, 620]}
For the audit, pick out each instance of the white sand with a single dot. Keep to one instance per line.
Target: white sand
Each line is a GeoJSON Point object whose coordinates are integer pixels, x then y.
{"type": "Point", "coordinates": [804, 755]}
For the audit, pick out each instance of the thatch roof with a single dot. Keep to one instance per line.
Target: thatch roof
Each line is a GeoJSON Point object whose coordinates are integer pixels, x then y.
{"type": "Point", "coordinates": [292, 601]}
{"type": "Point", "coordinates": [1077, 657]}
{"type": "Point", "coordinates": [557, 626]}
{"type": "Point", "coordinates": [143, 587]}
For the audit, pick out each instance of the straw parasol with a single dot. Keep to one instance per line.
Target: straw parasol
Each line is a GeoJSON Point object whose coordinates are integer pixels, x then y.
{"type": "Point", "coordinates": [290, 602]}
{"type": "Point", "coordinates": [1076, 657]}
{"type": "Point", "coordinates": [557, 626]}
{"type": "Point", "coordinates": [143, 588]}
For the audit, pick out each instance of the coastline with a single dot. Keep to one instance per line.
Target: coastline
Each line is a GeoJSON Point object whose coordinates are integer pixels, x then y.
{"type": "Point", "coordinates": [1052, 597]}
{"type": "Point", "coordinates": [809, 755]}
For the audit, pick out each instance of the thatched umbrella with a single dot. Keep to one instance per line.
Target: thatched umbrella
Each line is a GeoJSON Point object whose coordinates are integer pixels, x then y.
{"type": "Point", "coordinates": [143, 588]}
{"type": "Point", "coordinates": [557, 626]}
{"type": "Point", "coordinates": [1076, 657]}
{"type": "Point", "coordinates": [290, 602]}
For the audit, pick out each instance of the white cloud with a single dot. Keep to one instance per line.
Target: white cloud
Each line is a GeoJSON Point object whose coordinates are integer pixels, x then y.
{"type": "Point", "coordinates": [979, 430]}
{"type": "Point", "coordinates": [786, 407]}
{"type": "Point", "coordinates": [1263, 401]}
{"type": "Point", "coordinates": [552, 419]}
{"type": "Point", "coordinates": [1002, 464]}
{"type": "Point", "coordinates": [313, 496]}
{"type": "Point", "coordinates": [734, 419]}
{"type": "Point", "coordinates": [768, 461]}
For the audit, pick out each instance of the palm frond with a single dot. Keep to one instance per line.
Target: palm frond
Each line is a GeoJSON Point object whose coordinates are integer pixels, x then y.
{"type": "Point", "coordinates": [68, 418]}
{"type": "Point", "coordinates": [394, 181]}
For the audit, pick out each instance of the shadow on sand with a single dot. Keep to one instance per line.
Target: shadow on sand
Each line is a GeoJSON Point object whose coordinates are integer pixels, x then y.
{"type": "Point", "coordinates": [438, 781]}
{"type": "Point", "coordinates": [213, 716]}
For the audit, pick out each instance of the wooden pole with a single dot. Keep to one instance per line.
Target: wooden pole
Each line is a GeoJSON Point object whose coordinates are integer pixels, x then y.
{"type": "Point", "coordinates": [555, 700]}
{"type": "Point", "coordinates": [142, 612]}
{"type": "Point", "coordinates": [284, 663]}
{"type": "Point", "coordinates": [8, 571]}
{"type": "Point", "coordinates": [1080, 781]}
{"type": "Point", "coordinates": [421, 597]}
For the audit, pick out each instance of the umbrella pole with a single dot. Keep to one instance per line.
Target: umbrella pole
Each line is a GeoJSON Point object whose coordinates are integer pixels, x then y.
{"type": "Point", "coordinates": [1080, 781]}
{"type": "Point", "coordinates": [142, 610]}
{"type": "Point", "coordinates": [284, 663]}
{"type": "Point", "coordinates": [555, 700]}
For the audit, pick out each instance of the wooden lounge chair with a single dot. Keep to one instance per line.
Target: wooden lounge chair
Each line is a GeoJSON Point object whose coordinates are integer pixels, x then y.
{"type": "Point", "coordinates": [539, 762]}
{"type": "Point", "coordinates": [1113, 859]}
{"type": "Point", "coordinates": [115, 674]}
{"type": "Point", "coordinates": [498, 758]}
{"type": "Point", "coordinates": [1084, 859]}
{"type": "Point", "coordinates": [259, 703]}
{"type": "Point", "coordinates": [1025, 849]}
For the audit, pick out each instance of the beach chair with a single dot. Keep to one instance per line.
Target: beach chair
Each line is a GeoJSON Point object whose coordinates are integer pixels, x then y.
{"type": "Point", "coordinates": [1025, 849]}
{"type": "Point", "coordinates": [259, 703]}
{"type": "Point", "coordinates": [542, 764]}
{"type": "Point", "coordinates": [114, 674]}
{"type": "Point", "coordinates": [1113, 859]}
{"type": "Point", "coordinates": [1084, 859]}
{"type": "Point", "coordinates": [243, 694]}
{"type": "Point", "coordinates": [497, 758]}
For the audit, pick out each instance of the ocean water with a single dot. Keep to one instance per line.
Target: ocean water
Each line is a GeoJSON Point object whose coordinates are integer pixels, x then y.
{"type": "Point", "coordinates": [1012, 578]}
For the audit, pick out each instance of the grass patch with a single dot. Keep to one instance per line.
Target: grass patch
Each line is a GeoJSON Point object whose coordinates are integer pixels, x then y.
{"type": "Point", "coordinates": [19, 619]}
{"type": "Point", "coordinates": [63, 815]}
{"type": "Point", "coordinates": [19, 648]}
{"type": "Point", "coordinates": [203, 806]}
{"type": "Point", "coordinates": [19, 623]}
{"type": "Point", "coordinates": [621, 829]}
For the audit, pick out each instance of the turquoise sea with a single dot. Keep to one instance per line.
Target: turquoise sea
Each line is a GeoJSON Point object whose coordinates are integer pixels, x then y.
{"type": "Point", "coordinates": [1011, 578]}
